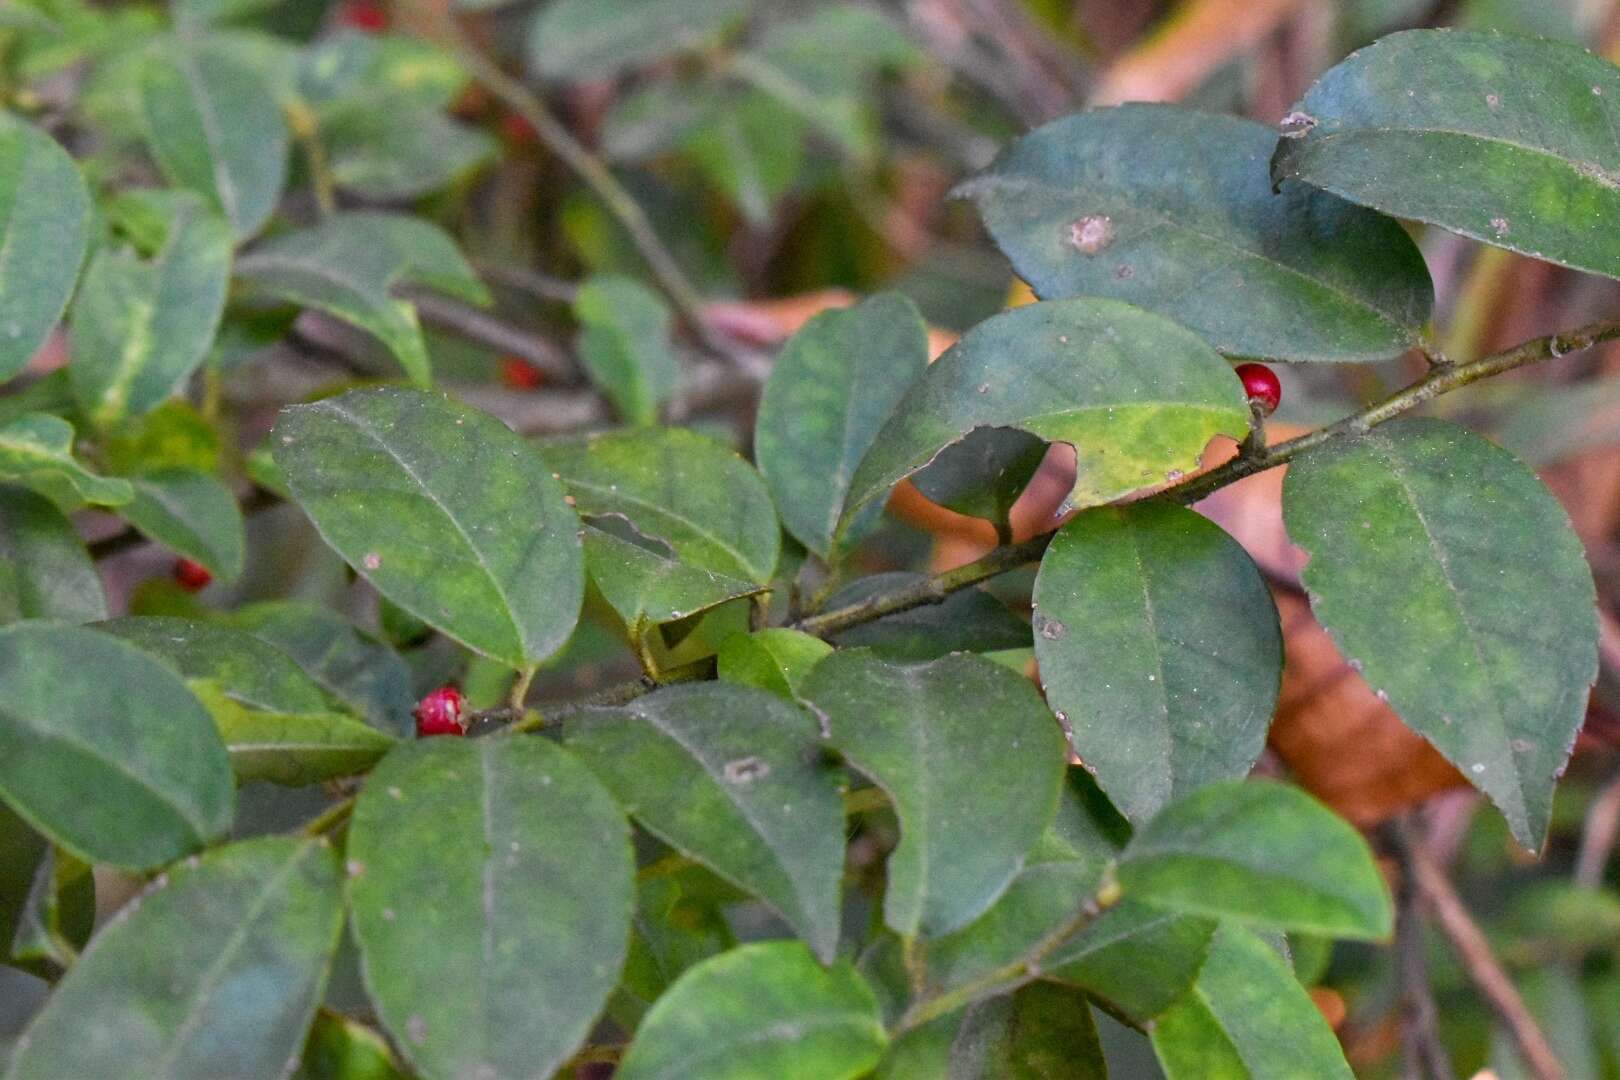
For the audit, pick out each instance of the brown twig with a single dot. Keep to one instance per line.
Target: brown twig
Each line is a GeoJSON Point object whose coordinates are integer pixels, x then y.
{"type": "Point", "coordinates": [1598, 836]}
{"type": "Point", "coordinates": [482, 328]}
{"type": "Point", "coordinates": [1423, 1051]}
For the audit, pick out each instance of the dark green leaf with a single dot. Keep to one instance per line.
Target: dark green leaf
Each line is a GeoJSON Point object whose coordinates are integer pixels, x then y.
{"type": "Point", "coordinates": [624, 343]}
{"type": "Point", "coordinates": [58, 916]}
{"type": "Point", "coordinates": [983, 475]}
{"type": "Point", "coordinates": [1159, 648]}
{"type": "Point", "coordinates": [1040, 1032]}
{"type": "Point", "coordinates": [1506, 139]}
{"type": "Point", "coordinates": [1262, 852]}
{"type": "Point", "coordinates": [670, 932]}
{"type": "Point", "coordinates": [1246, 1017]}
{"type": "Point", "coordinates": [775, 659]}
{"type": "Point", "coordinates": [1171, 209]}
{"type": "Point", "coordinates": [1451, 577]}
{"type": "Point", "coordinates": [45, 572]}
{"type": "Point", "coordinates": [595, 39]}
{"type": "Point", "coordinates": [644, 585]}
{"type": "Point", "coordinates": [123, 768]}
{"type": "Point", "coordinates": [972, 761]}
{"type": "Point", "coordinates": [215, 972]}
{"type": "Point", "coordinates": [191, 513]}
{"type": "Point", "coordinates": [37, 450]}
{"type": "Point", "coordinates": [733, 777]}
{"type": "Point", "coordinates": [246, 669]}
{"type": "Point", "coordinates": [834, 385]}
{"type": "Point", "coordinates": [969, 620]}
{"type": "Point", "coordinates": [766, 1009]}
{"type": "Point", "coordinates": [1139, 959]}
{"type": "Point", "coordinates": [1136, 395]}
{"type": "Point", "coordinates": [44, 227]}
{"type": "Point", "coordinates": [449, 514]}
{"type": "Point", "coordinates": [522, 910]}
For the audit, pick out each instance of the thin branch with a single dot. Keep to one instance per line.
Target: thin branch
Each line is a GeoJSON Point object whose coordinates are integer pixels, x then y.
{"type": "Point", "coordinates": [1424, 1052]}
{"type": "Point", "coordinates": [482, 328]}
{"type": "Point", "coordinates": [1598, 836]}
{"type": "Point", "coordinates": [331, 818]}
{"type": "Point", "coordinates": [533, 282]}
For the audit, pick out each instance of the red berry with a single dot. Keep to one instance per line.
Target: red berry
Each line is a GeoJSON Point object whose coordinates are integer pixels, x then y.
{"type": "Point", "coordinates": [1261, 385]}
{"type": "Point", "coordinates": [366, 15]}
{"type": "Point", "coordinates": [440, 713]}
{"type": "Point", "coordinates": [517, 131]}
{"type": "Point", "coordinates": [520, 374]}
{"type": "Point", "coordinates": [193, 576]}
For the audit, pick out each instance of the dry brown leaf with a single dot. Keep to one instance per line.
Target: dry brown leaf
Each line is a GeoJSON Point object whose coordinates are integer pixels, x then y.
{"type": "Point", "coordinates": [1191, 45]}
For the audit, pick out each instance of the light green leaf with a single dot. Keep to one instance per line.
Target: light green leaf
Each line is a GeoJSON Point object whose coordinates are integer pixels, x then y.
{"type": "Point", "coordinates": [123, 768]}
{"type": "Point", "coordinates": [522, 912]}
{"type": "Point", "coordinates": [193, 514]}
{"type": "Point", "coordinates": [215, 127]}
{"type": "Point", "coordinates": [343, 1049]}
{"type": "Point", "coordinates": [215, 972]}
{"type": "Point", "coordinates": [677, 486]}
{"type": "Point", "coordinates": [1137, 397]}
{"type": "Point", "coordinates": [44, 227]}
{"type": "Point", "coordinates": [775, 659]}
{"type": "Point", "coordinates": [1259, 852]}
{"type": "Point", "coordinates": [969, 620]}
{"type": "Point", "coordinates": [624, 343]}
{"type": "Point", "coordinates": [1488, 645]}
{"type": "Point", "coordinates": [834, 385]}
{"type": "Point", "coordinates": [972, 761]}
{"type": "Point", "coordinates": [45, 572]}
{"type": "Point", "coordinates": [290, 748]}
{"type": "Point", "coordinates": [1159, 648]}
{"type": "Point", "coordinates": [766, 1009]}
{"type": "Point", "coordinates": [37, 450]}
{"type": "Point", "coordinates": [1171, 209]}
{"type": "Point", "coordinates": [751, 146]}
{"type": "Point", "coordinates": [141, 328]}
{"type": "Point", "coordinates": [1509, 140]}
{"type": "Point", "coordinates": [395, 71]}
{"type": "Point", "coordinates": [1246, 1019]}
{"type": "Point", "coordinates": [645, 585]}
{"type": "Point", "coordinates": [580, 40]}
{"type": "Point", "coordinates": [349, 265]}
{"type": "Point", "coordinates": [390, 155]}
{"type": "Point", "coordinates": [447, 512]}
{"type": "Point", "coordinates": [733, 777]}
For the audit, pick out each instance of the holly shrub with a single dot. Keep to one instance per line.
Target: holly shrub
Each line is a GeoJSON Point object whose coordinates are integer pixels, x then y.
{"type": "Point", "coordinates": [496, 704]}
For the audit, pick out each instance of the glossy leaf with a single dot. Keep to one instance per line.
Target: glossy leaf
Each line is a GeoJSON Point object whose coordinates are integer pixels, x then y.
{"type": "Point", "coordinates": [1136, 395]}
{"type": "Point", "coordinates": [1261, 852]}
{"type": "Point", "coordinates": [969, 620]}
{"type": "Point", "coordinates": [447, 512]}
{"type": "Point", "coordinates": [522, 912]}
{"type": "Point", "coordinates": [37, 449]}
{"type": "Point", "coordinates": [1494, 592]}
{"type": "Point", "coordinates": [349, 265]}
{"type": "Point", "coordinates": [1160, 650]}
{"type": "Point", "coordinates": [215, 127]}
{"type": "Point", "coordinates": [1246, 1017]}
{"type": "Point", "coordinates": [677, 486]}
{"type": "Point", "coordinates": [1139, 959]}
{"type": "Point", "coordinates": [644, 585]}
{"type": "Point", "coordinates": [1509, 140]}
{"type": "Point", "coordinates": [1171, 209]}
{"type": "Point", "coordinates": [44, 208]}
{"type": "Point", "coordinates": [133, 778]}
{"type": "Point", "coordinates": [972, 761]}
{"type": "Point", "coordinates": [582, 40]}
{"type": "Point", "coordinates": [624, 344]}
{"type": "Point", "coordinates": [775, 659]}
{"type": "Point", "coordinates": [733, 777]}
{"type": "Point", "coordinates": [832, 388]}
{"type": "Point", "coordinates": [191, 513]}
{"type": "Point", "coordinates": [216, 971]}
{"type": "Point", "coordinates": [766, 1009]}
{"type": "Point", "coordinates": [45, 572]}
{"type": "Point", "coordinates": [141, 328]}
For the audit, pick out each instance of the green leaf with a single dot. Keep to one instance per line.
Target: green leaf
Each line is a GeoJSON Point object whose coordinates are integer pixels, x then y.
{"type": "Point", "coordinates": [834, 384]}
{"type": "Point", "coordinates": [349, 265]}
{"type": "Point", "coordinates": [44, 227]}
{"type": "Point", "coordinates": [175, 435]}
{"type": "Point", "coordinates": [749, 145]}
{"type": "Point", "coordinates": [1137, 397]}
{"type": "Point", "coordinates": [287, 747]}
{"type": "Point", "coordinates": [45, 572]}
{"type": "Point", "coordinates": [134, 777]}
{"type": "Point", "coordinates": [1137, 958]}
{"type": "Point", "coordinates": [1171, 209]}
{"type": "Point", "coordinates": [191, 513]}
{"type": "Point", "coordinates": [766, 1009]}
{"type": "Point", "coordinates": [968, 620]}
{"type": "Point", "coordinates": [1247, 1017]}
{"type": "Point", "coordinates": [733, 777]}
{"type": "Point", "coordinates": [972, 761]}
{"type": "Point", "coordinates": [522, 911]}
{"type": "Point", "coordinates": [677, 486]}
{"type": "Point", "coordinates": [214, 126]}
{"type": "Point", "coordinates": [38, 450]}
{"type": "Point", "coordinates": [775, 659]}
{"type": "Point", "coordinates": [1159, 648]}
{"type": "Point", "coordinates": [57, 916]}
{"type": "Point", "coordinates": [1487, 644]}
{"type": "Point", "coordinates": [252, 672]}
{"type": "Point", "coordinates": [140, 329]}
{"type": "Point", "coordinates": [645, 585]}
{"type": "Point", "coordinates": [580, 40]}
{"type": "Point", "coordinates": [671, 931]}
{"type": "Point", "coordinates": [624, 343]}
{"type": "Point", "coordinates": [390, 155]}
{"type": "Point", "coordinates": [1038, 1032]}
{"type": "Point", "coordinates": [1505, 139]}
{"type": "Point", "coordinates": [1259, 852]}
{"type": "Point", "coordinates": [447, 512]}
{"type": "Point", "coordinates": [984, 474]}
{"type": "Point", "coordinates": [343, 1049]}
{"type": "Point", "coordinates": [216, 971]}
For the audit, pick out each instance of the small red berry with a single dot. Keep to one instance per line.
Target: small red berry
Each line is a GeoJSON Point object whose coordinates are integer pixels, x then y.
{"type": "Point", "coordinates": [1261, 385]}
{"type": "Point", "coordinates": [517, 132]}
{"type": "Point", "coordinates": [520, 374]}
{"type": "Point", "coordinates": [365, 15]}
{"type": "Point", "coordinates": [439, 713]}
{"type": "Point", "coordinates": [193, 576]}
